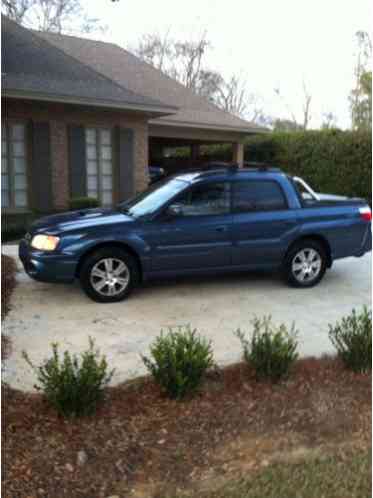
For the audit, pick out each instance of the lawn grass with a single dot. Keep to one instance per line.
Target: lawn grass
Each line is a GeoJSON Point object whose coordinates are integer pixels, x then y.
{"type": "Point", "coordinates": [333, 477]}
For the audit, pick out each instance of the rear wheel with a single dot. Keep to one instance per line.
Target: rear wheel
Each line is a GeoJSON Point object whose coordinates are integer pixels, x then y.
{"type": "Point", "coordinates": [109, 275]}
{"type": "Point", "coordinates": [305, 264]}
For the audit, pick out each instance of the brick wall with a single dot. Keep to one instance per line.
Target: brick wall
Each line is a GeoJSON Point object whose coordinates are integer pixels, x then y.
{"type": "Point", "coordinates": [59, 117]}
{"type": "Point", "coordinates": [60, 164]}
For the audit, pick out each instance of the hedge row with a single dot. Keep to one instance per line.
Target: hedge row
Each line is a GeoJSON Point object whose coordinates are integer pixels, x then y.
{"type": "Point", "coordinates": [332, 161]}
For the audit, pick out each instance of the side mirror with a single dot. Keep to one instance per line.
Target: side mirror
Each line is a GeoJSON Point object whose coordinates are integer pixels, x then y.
{"type": "Point", "coordinates": [174, 211]}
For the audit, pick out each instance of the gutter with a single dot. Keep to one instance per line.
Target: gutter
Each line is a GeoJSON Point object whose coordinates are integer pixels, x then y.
{"type": "Point", "coordinates": [207, 126]}
{"type": "Point", "coordinates": [85, 101]}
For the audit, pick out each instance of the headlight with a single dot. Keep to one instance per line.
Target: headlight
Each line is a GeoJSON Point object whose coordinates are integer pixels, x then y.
{"type": "Point", "coordinates": [45, 242]}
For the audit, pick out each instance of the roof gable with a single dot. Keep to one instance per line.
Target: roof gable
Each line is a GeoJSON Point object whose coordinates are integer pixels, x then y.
{"type": "Point", "coordinates": [31, 65]}
{"type": "Point", "coordinates": [128, 70]}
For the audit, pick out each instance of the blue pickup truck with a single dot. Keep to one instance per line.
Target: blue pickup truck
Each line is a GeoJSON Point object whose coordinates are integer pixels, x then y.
{"type": "Point", "coordinates": [227, 219]}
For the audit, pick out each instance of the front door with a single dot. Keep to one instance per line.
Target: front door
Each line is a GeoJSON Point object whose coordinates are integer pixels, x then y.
{"type": "Point", "coordinates": [195, 232]}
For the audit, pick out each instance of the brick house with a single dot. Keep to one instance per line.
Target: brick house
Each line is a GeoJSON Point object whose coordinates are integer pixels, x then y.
{"type": "Point", "coordinates": [80, 117]}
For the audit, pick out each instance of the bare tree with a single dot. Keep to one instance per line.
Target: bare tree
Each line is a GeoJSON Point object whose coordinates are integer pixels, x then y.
{"type": "Point", "coordinates": [209, 84]}
{"type": "Point", "coordinates": [182, 60]}
{"type": "Point", "coordinates": [51, 15]}
{"type": "Point", "coordinates": [190, 56]}
{"type": "Point", "coordinates": [288, 108]}
{"type": "Point", "coordinates": [232, 96]}
{"type": "Point", "coordinates": [156, 50]}
{"type": "Point", "coordinates": [306, 107]}
{"type": "Point", "coordinates": [16, 10]}
{"type": "Point", "coordinates": [329, 121]}
{"type": "Point", "coordinates": [361, 95]}
{"type": "Point", "coordinates": [285, 125]}
{"type": "Point", "coordinates": [185, 62]}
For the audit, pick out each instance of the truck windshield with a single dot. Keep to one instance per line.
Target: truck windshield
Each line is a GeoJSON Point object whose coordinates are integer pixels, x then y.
{"type": "Point", "coordinates": [151, 200]}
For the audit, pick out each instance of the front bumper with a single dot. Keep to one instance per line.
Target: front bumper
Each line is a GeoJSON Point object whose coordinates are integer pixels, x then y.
{"type": "Point", "coordinates": [46, 267]}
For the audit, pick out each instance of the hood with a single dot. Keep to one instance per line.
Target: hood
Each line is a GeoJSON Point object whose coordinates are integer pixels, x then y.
{"type": "Point", "coordinates": [73, 220]}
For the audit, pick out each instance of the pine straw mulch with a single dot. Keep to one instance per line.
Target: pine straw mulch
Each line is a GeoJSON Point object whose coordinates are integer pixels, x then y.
{"type": "Point", "coordinates": [8, 282]}
{"type": "Point", "coordinates": [142, 444]}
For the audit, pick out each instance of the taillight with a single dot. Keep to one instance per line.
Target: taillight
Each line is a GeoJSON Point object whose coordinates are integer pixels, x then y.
{"type": "Point", "coordinates": [365, 213]}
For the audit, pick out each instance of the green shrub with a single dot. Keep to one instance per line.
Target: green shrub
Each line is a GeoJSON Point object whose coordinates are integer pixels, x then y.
{"type": "Point", "coordinates": [179, 361]}
{"type": "Point", "coordinates": [331, 161]}
{"type": "Point", "coordinates": [73, 387]}
{"type": "Point", "coordinates": [352, 338]}
{"type": "Point", "coordinates": [271, 350]}
{"type": "Point", "coordinates": [12, 233]}
{"type": "Point", "coordinates": [84, 203]}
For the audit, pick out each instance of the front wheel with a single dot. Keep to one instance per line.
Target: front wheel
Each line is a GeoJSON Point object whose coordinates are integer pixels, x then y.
{"type": "Point", "coordinates": [109, 275]}
{"type": "Point", "coordinates": [305, 264]}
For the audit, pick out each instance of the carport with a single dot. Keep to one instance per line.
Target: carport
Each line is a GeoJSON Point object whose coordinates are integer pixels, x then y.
{"type": "Point", "coordinates": [162, 138]}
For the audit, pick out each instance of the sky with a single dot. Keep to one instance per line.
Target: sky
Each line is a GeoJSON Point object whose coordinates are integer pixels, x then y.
{"type": "Point", "coordinates": [269, 43]}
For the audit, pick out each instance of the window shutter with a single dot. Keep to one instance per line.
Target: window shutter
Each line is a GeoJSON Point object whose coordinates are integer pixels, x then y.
{"type": "Point", "coordinates": [77, 161]}
{"type": "Point", "coordinates": [41, 172]}
{"type": "Point", "coordinates": [126, 163]}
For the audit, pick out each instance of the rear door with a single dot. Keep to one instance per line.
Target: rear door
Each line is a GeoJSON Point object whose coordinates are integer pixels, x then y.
{"type": "Point", "coordinates": [263, 224]}
{"type": "Point", "coordinates": [200, 235]}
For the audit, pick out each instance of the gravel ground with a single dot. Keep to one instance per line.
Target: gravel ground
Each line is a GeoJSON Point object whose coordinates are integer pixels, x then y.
{"type": "Point", "coordinates": [45, 313]}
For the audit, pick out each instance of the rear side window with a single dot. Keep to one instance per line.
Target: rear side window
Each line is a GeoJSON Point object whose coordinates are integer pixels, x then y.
{"type": "Point", "coordinates": [254, 195]}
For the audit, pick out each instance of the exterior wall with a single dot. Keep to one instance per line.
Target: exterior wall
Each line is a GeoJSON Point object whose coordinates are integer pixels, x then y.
{"type": "Point", "coordinates": [60, 116]}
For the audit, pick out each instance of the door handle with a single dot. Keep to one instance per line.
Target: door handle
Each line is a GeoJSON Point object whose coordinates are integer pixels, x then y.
{"type": "Point", "coordinates": [221, 229]}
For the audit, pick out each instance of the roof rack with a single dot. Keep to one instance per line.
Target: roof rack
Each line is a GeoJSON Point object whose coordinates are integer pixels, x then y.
{"type": "Point", "coordinates": [228, 168]}
{"type": "Point", "coordinates": [214, 168]}
{"type": "Point", "coordinates": [258, 166]}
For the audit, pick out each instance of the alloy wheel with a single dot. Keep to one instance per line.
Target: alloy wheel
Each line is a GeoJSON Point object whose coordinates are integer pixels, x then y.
{"type": "Point", "coordinates": [306, 265]}
{"type": "Point", "coordinates": [110, 276]}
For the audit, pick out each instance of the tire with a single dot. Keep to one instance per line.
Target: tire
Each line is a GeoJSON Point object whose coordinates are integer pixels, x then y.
{"type": "Point", "coordinates": [109, 275]}
{"type": "Point", "coordinates": [305, 264]}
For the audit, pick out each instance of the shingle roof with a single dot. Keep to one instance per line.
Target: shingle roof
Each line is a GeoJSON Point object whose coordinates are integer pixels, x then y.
{"type": "Point", "coordinates": [33, 66]}
{"type": "Point", "coordinates": [129, 71]}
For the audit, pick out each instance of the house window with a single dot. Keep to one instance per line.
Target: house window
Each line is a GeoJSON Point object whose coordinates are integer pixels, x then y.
{"type": "Point", "coordinates": [99, 165]}
{"type": "Point", "coordinates": [13, 166]}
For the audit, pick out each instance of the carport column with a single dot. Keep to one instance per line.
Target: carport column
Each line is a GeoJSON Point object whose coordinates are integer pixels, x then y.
{"type": "Point", "coordinates": [237, 153]}
{"type": "Point", "coordinates": [59, 164]}
{"type": "Point", "coordinates": [194, 151]}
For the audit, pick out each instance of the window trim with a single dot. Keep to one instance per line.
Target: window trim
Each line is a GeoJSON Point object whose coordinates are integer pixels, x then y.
{"type": "Point", "coordinates": [193, 186]}
{"type": "Point", "coordinates": [99, 159]}
{"type": "Point", "coordinates": [265, 180]}
{"type": "Point", "coordinates": [8, 124]}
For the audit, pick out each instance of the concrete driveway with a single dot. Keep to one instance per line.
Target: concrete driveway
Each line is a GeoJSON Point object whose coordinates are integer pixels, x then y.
{"type": "Point", "coordinates": [45, 313]}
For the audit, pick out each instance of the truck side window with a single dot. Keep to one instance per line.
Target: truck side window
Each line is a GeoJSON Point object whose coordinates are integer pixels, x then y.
{"type": "Point", "coordinates": [204, 200]}
{"type": "Point", "coordinates": [257, 195]}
